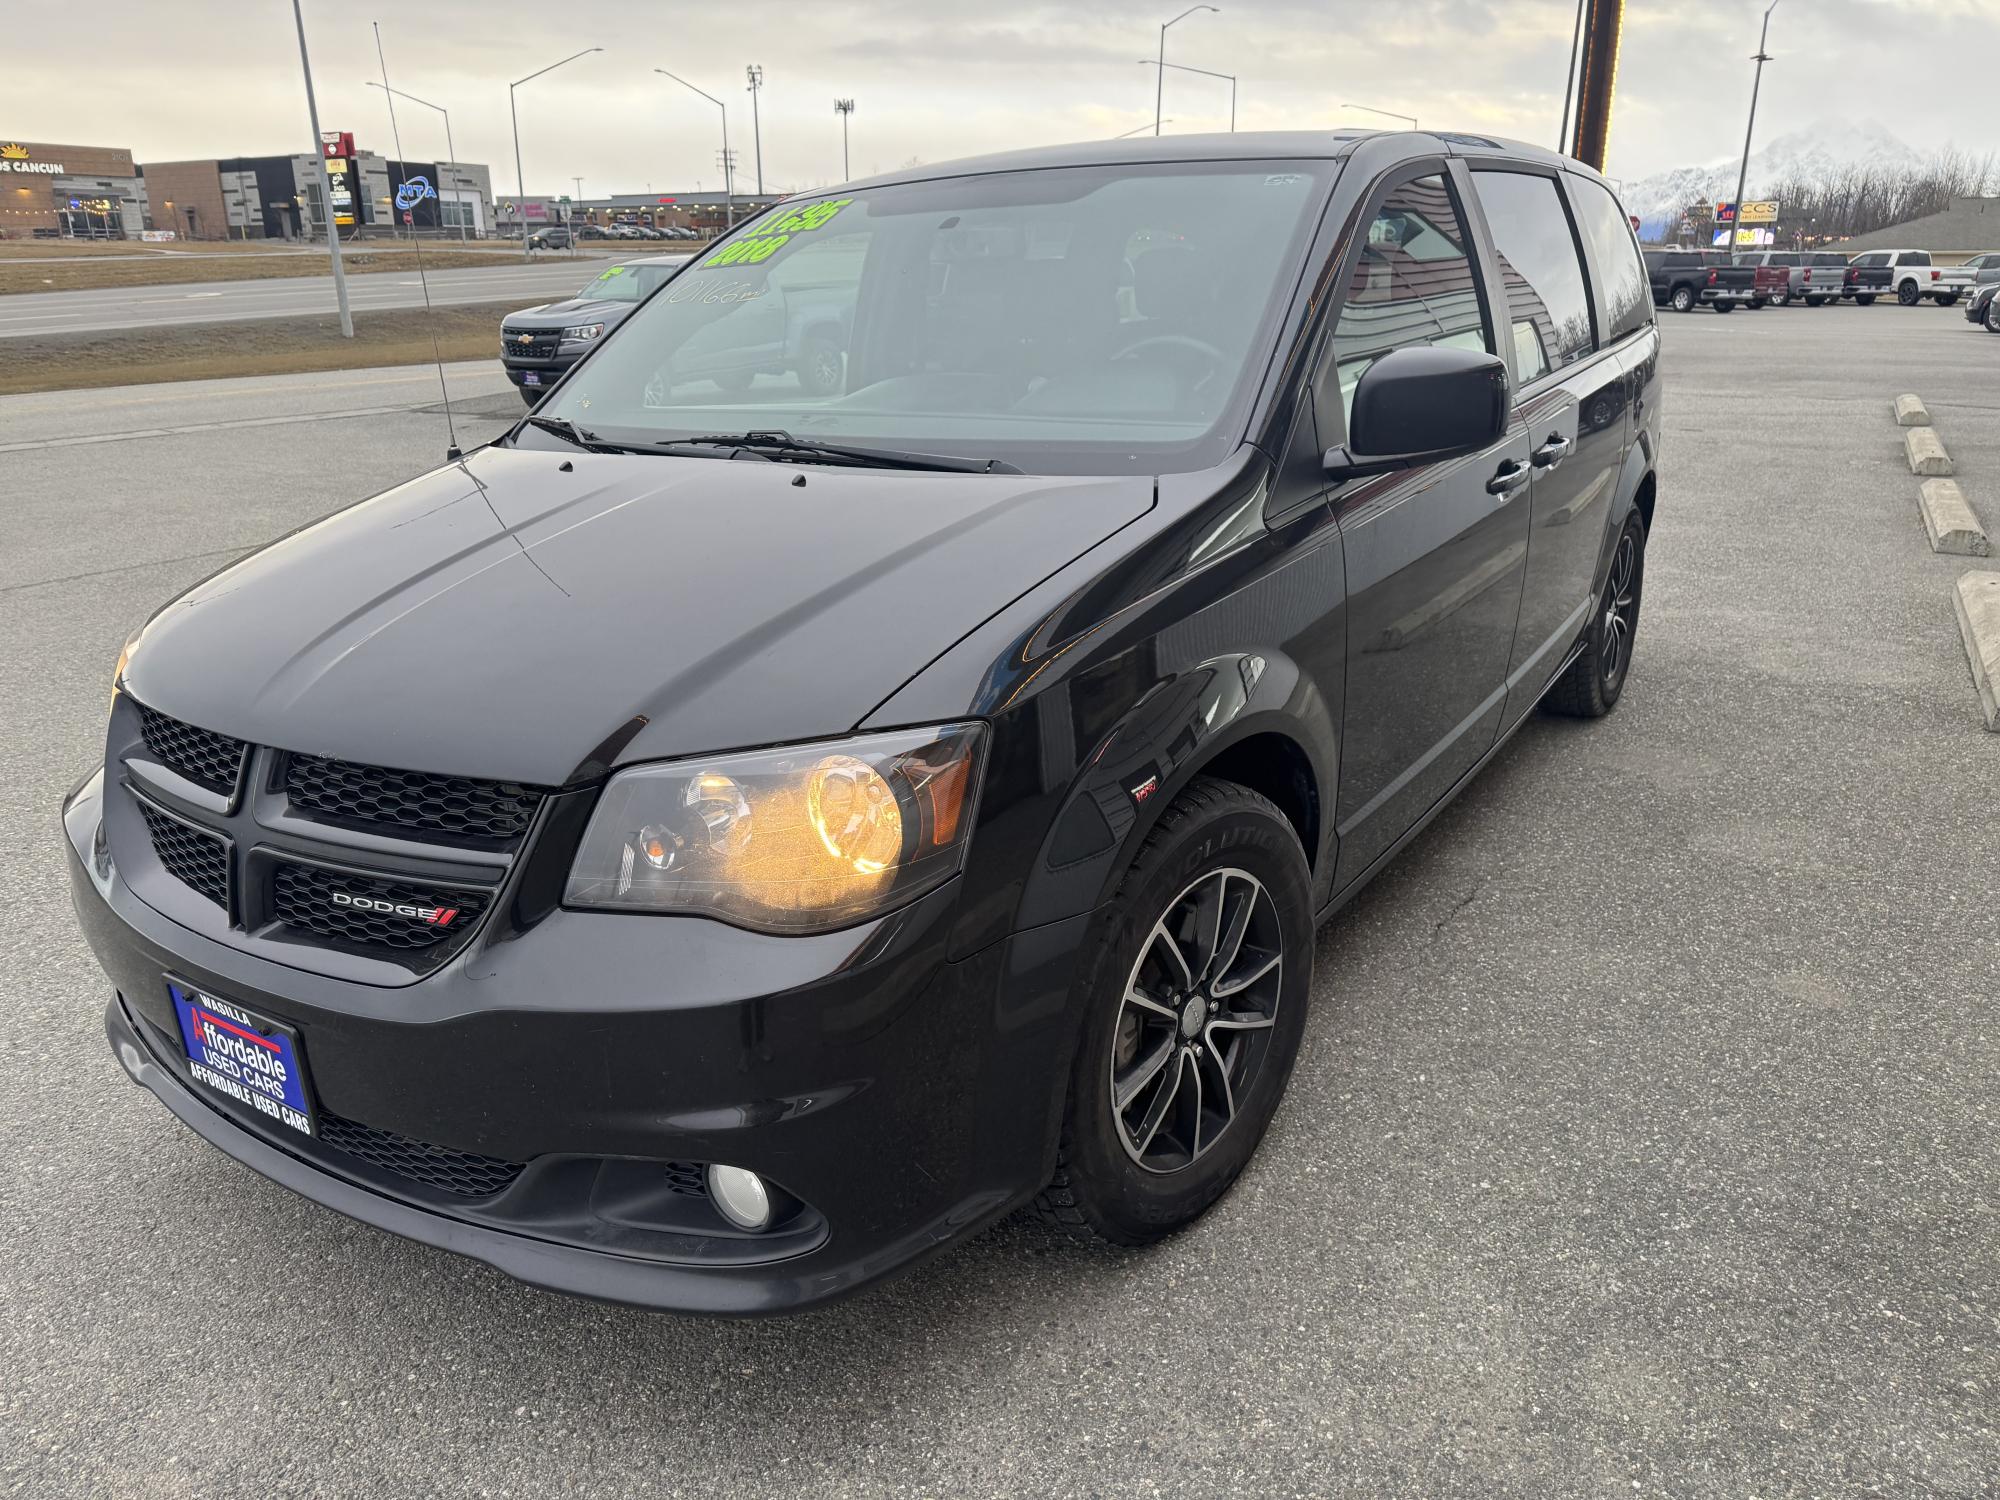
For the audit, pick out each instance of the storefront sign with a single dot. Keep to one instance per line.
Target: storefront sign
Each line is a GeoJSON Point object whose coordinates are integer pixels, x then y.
{"type": "Point", "coordinates": [1760, 213]}
{"type": "Point", "coordinates": [14, 158]}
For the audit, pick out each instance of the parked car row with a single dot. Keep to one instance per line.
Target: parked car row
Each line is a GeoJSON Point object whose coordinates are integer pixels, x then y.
{"type": "Point", "coordinates": [562, 236]}
{"type": "Point", "coordinates": [1687, 279]}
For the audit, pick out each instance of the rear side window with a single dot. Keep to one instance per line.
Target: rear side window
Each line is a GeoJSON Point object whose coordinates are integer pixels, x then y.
{"type": "Point", "coordinates": [1828, 258]}
{"type": "Point", "coordinates": [1623, 303]}
{"type": "Point", "coordinates": [1413, 284]}
{"type": "Point", "coordinates": [1784, 260]}
{"type": "Point", "coordinates": [1917, 258]}
{"type": "Point", "coordinates": [1548, 309]}
{"type": "Point", "coordinates": [1874, 258]}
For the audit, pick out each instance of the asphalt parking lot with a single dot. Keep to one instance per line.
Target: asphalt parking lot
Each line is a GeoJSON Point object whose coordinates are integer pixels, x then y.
{"type": "Point", "coordinates": [1643, 1144]}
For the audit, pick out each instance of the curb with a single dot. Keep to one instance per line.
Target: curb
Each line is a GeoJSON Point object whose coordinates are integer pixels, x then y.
{"type": "Point", "coordinates": [1976, 599]}
{"type": "Point", "coordinates": [1910, 412]}
{"type": "Point", "coordinates": [1925, 453]}
{"type": "Point", "coordinates": [1949, 521]}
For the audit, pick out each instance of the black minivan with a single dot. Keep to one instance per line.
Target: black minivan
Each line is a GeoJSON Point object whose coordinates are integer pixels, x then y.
{"type": "Point", "coordinates": [717, 844]}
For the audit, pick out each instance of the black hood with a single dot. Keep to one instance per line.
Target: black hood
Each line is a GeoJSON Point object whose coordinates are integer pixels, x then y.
{"type": "Point", "coordinates": [502, 618]}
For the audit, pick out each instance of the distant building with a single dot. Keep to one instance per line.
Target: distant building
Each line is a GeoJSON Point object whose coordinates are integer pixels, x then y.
{"type": "Point", "coordinates": [1971, 226]}
{"type": "Point", "coordinates": [48, 190]}
{"type": "Point", "coordinates": [278, 197]}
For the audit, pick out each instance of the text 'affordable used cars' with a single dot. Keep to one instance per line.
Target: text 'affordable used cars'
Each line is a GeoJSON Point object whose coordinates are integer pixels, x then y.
{"type": "Point", "coordinates": [761, 819]}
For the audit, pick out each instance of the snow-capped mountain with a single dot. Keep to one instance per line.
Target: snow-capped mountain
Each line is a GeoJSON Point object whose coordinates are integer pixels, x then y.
{"type": "Point", "coordinates": [1817, 151]}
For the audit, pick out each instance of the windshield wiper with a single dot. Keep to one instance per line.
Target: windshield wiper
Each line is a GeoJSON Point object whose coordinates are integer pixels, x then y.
{"type": "Point", "coordinates": [778, 444]}
{"type": "Point", "coordinates": [582, 437]}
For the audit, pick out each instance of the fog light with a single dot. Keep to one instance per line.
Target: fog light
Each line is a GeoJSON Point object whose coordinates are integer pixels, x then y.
{"type": "Point", "coordinates": [740, 1196]}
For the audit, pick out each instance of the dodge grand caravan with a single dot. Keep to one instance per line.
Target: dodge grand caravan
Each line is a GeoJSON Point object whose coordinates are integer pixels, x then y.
{"type": "Point", "coordinates": [715, 844]}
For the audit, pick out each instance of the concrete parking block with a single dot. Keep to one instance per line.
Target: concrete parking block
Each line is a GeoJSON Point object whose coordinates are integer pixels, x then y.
{"type": "Point", "coordinates": [1976, 598]}
{"type": "Point", "coordinates": [1926, 453]}
{"type": "Point", "coordinates": [1910, 412]}
{"type": "Point", "coordinates": [1949, 521]}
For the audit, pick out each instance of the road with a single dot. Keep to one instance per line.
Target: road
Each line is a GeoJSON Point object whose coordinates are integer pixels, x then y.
{"type": "Point", "coordinates": [1643, 1142]}
{"type": "Point", "coordinates": [27, 313]}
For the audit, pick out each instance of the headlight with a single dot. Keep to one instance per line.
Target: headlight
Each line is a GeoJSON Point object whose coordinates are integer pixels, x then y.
{"type": "Point", "coordinates": [583, 332]}
{"type": "Point", "coordinates": [802, 839]}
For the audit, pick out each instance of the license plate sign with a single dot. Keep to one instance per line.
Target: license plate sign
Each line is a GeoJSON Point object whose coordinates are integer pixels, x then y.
{"type": "Point", "coordinates": [243, 1057]}
{"type": "Point", "coordinates": [531, 377]}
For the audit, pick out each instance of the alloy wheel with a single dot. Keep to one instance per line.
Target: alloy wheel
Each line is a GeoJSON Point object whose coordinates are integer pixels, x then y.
{"type": "Point", "coordinates": [1621, 610]}
{"type": "Point", "coordinates": [1195, 1020]}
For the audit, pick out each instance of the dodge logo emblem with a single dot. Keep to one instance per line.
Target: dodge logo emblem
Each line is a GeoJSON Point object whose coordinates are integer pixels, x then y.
{"type": "Point", "coordinates": [435, 916]}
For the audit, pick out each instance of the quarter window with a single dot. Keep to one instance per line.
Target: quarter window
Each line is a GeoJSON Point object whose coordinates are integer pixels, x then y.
{"type": "Point", "coordinates": [1548, 305]}
{"type": "Point", "coordinates": [1623, 304]}
{"type": "Point", "coordinates": [1412, 285]}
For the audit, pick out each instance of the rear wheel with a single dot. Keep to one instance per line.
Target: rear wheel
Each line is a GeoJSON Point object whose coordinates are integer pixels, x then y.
{"type": "Point", "coordinates": [821, 367]}
{"type": "Point", "coordinates": [1908, 295]}
{"type": "Point", "coordinates": [1864, 299]}
{"type": "Point", "coordinates": [1993, 314]}
{"type": "Point", "coordinates": [1782, 299]}
{"type": "Point", "coordinates": [1196, 1004]}
{"type": "Point", "coordinates": [1591, 686]}
{"type": "Point", "coordinates": [1723, 307]}
{"type": "Point", "coordinates": [1815, 302]}
{"type": "Point", "coordinates": [1945, 299]}
{"type": "Point", "coordinates": [1683, 299]}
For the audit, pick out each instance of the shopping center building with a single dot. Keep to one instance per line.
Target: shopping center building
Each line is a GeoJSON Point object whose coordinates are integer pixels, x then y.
{"type": "Point", "coordinates": [50, 190]}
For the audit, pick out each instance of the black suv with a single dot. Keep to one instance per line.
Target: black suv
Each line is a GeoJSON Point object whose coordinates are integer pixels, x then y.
{"type": "Point", "coordinates": [712, 847]}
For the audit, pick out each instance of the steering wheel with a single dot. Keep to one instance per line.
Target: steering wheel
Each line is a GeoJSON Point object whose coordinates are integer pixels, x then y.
{"type": "Point", "coordinates": [1178, 342]}
{"type": "Point", "coordinates": [1196, 361]}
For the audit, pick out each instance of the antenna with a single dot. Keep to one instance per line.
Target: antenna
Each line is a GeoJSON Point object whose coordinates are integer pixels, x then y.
{"type": "Point", "coordinates": [409, 193]}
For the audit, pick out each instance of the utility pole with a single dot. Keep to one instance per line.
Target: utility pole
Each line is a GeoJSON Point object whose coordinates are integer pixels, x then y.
{"type": "Point", "coordinates": [1591, 137]}
{"type": "Point", "coordinates": [1743, 172]}
{"type": "Point", "coordinates": [756, 76]}
{"type": "Point", "coordinates": [520, 180]}
{"type": "Point", "coordinates": [843, 108]}
{"type": "Point", "coordinates": [325, 182]}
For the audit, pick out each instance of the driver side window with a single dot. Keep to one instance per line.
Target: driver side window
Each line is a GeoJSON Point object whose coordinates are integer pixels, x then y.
{"type": "Point", "coordinates": [1413, 285]}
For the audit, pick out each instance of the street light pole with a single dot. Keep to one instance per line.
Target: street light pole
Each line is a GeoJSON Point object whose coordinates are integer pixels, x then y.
{"type": "Point", "coordinates": [844, 108]}
{"type": "Point", "coordinates": [1160, 78]}
{"type": "Point", "coordinates": [325, 182]}
{"type": "Point", "coordinates": [450, 149]}
{"type": "Point", "coordinates": [1386, 113]}
{"type": "Point", "coordinates": [1147, 62]}
{"type": "Point", "coordinates": [1743, 172]}
{"type": "Point", "coordinates": [756, 76]}
{"type": "Point", "coordinates": [728, 162]}
{"type": "Point", "coordinates": [520, 180]}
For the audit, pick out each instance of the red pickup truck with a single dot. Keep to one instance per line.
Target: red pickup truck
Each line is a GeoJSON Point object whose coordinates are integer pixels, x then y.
{"type": "Point", "coordinates": [1773, 283]}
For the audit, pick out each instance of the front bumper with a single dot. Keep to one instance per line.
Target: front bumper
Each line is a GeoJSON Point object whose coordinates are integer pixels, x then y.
{"type": "Point", "coordinates": [904, 1099]}
{"type": "Point", "coordinates": [546, 371]}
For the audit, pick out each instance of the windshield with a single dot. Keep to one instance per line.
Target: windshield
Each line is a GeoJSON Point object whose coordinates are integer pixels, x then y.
{"type": "Point", "coordinates": [625, 283]}
{"type": "Point", "coordinates": [1077, 320]}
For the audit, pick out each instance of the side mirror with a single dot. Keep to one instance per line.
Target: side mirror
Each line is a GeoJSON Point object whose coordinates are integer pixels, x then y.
{"type": "Point", "coordinates": [1419, 405]}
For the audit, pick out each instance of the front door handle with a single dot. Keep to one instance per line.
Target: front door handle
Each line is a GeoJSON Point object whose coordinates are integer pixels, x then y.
{"type": "Point", "coordinates": [1553, 452]}
{"type": "Point", "coordinates": [1509, 478]}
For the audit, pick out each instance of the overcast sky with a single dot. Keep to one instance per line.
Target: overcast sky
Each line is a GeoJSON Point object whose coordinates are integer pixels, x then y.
{"type": "Point", "coordinates": [934, 79]}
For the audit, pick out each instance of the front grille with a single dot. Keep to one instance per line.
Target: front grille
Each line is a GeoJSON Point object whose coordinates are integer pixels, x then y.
{"type": "Point", "coordinates": [458, 1172]}
{"type": "Point", "coordinates": [539, 346]}
{"type": "Point", "coordinates": [379, 795]}
{"type": "Point", "coordinates": [194, 858]}
{"type": "Point", "coordinates": [199, 754]}
{"type": "Point", "coordinates": [303, 898]}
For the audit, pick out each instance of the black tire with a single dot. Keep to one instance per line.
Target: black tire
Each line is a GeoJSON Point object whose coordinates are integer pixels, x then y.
{"type": "Point", "coordinates": [1723, 307]}
{"type": "Point", "coordinates": [1594, 682]}
{"type": "Point", "coordinates": [1683, 299]}
{"type": "Point", "coordinates": [1908, 295]}
{"type": "Point", "coordinates": [530, 395]}
{"type": "Point", "coordinates": [1993, 314]}
{"type": "Point", "coordinates": [1757, 304]}
{"type": "Point", "coordinates": [1215, 836]}
{"type": "Point", "coordinates": [1945, 299]}
{"type": "Point", "coordinates": [1783, 299]}
{"type": "Point", "coordinates": [822, 369]}
{"type": "Point", "coordinates": [1816, 302]}
{"type": "Point", "coordinates": [1864, 299]}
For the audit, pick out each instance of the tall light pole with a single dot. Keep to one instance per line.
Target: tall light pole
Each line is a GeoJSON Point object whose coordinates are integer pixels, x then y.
{"type": "Point", "coordinates": [1569, 84]}
{"type": "Point", "coordinates": [520, 178]}
{"type": "Point", "coordinates": [325, 183]}
{"type": "Point", "coordinates": [1160, 79]}
{"type": "Point", "coordinates": [1743, 172]}
{"type": "Point", "coordinates": [756, 76]}
{"type": "Point", "coordinates": [728, 161]}
{"type": "Point", "coordinates": [450, 150]}
{"type": "Point", "coordinates": [1368, 109]}
{"type": "Point", "coordinates": [1147, 62]}
{"type": "Point", "coordinates": [844, 108]}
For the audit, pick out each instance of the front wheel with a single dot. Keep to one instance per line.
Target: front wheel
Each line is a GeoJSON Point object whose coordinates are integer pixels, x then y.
{"type": "Point", "coordinates": [532, 395]}
{"type": "Point", "coordinates": [1993, 314]}
{"type": "Point", "coordinates": [1195, 1005]}
{"type": "Point", "coordinates": [822, 369]}
{"type": "Point", "coordinates": [1590, 687]}
{"type": "Point", "coordinates": [1864, 299]}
